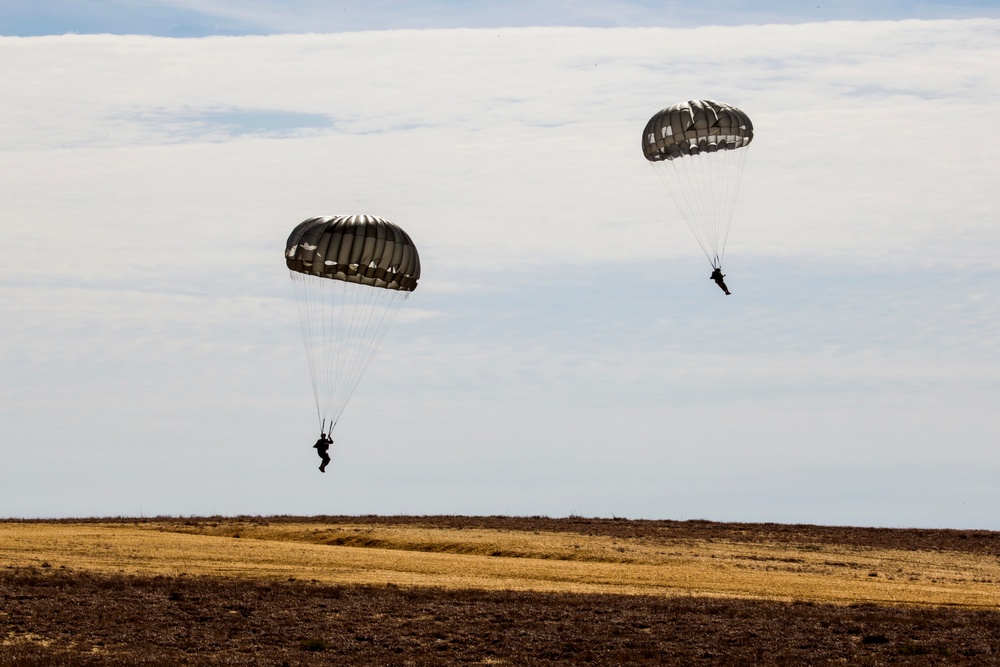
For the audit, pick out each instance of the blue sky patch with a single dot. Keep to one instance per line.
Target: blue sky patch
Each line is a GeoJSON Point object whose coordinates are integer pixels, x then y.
{"type": "Point", "coordinates": [237, 122]}
{"type": "Point", "coordinates": [176, 18]}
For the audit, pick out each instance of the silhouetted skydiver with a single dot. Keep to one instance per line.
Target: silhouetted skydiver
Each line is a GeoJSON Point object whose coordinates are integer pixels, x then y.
{"type": "Point", "coordinates": [717, 276]}
{"type": "Point", "coordinates": [322, 446]}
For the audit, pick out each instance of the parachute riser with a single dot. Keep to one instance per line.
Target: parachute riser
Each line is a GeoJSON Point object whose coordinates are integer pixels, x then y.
{"type": "Point", "coordinates": [324, 430]}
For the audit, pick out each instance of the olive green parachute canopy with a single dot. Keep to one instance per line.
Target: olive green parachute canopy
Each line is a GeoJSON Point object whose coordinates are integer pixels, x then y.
{"type": "Point", "coordinates": [350, 273]}
{"type": "Point", "coordinates": [692, 147]}
{"type": "Point", "coordinates": [362, 249]}
{"type": "Point", "coordinates": [697, 126]}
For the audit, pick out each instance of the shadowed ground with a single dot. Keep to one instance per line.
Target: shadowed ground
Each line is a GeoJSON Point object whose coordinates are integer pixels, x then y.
{"type": "Point", "coordinates": [86, 619]}
{"type": "Point", "coordinates": [502, 591]}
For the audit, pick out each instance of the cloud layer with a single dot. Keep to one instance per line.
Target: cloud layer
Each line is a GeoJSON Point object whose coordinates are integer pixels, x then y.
{"type": "Point", "coordinates": [565, 336]}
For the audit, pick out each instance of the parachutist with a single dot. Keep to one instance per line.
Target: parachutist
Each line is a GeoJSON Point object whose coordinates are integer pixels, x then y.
{"type": "Point", "coordinates": [322, 446]}
{"type": "Point", "coordinates": [717, 276]}
{"type": "Point", "coordinates": [697, 148]}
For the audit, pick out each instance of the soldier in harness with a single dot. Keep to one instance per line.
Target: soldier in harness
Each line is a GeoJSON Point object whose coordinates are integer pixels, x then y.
{"type": "Point", "coordinates": [322, 446]}
{"type": "Point", "coordinates": [717, 276]}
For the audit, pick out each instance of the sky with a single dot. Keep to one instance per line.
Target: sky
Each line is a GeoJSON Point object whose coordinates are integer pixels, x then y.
{"type": "Point", "coordinates": [564, 353]}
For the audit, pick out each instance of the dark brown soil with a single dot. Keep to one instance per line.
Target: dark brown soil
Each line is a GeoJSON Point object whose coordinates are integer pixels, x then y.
{"type": "Point", "coordinates": [53, 616]}
{"type": "Point", "coordinates": [209, 621]}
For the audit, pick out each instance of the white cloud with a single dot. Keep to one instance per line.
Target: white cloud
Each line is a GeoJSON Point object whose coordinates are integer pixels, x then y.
{"type": "Point", "coordinates": [565, 325]}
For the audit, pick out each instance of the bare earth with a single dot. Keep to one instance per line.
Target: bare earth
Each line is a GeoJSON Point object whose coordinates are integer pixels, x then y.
{"type": "Point", "coordinates": [491, 591]}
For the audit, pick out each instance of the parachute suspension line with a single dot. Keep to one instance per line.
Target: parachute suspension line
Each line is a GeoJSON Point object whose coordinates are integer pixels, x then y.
{"type": "Point", "coordinates": [339, 345]}
{"type": "Point", "coordinates": [317, 327]}
{"type": "Point", "coordinates": [327, 302]}
{"type": "Point", "coordinates": [704, 188]}
{"type": "Point", "coordinates": [378, 314]}
{"type": "Point", "coordinates": [362, 333]}
{"type": "Point", "coordinates": [355, 335]}
{"type": "Point", "coordinates": [678, 184]}
{"type": "Point", "coordinates": [706, 181]}
{"type": "Point", "coordinates": [343, 325]}
{"type": "Point", "coordinates": [733, 167]}
{"type": "Point", "coordinates": [308, 324]}
{"type": "Point", "coordinates": [705, 205]}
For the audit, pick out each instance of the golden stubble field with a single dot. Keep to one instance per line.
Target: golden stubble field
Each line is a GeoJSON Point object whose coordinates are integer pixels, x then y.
{"type": "Point", "coordinates": [475, 558]}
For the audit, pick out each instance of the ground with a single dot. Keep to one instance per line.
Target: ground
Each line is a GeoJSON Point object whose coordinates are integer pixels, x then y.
{"type": "Point", "coordinates": [62, 613]}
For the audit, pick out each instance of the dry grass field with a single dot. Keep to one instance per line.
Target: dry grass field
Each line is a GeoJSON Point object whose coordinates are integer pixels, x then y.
{"type": "Point", "coordinates": [497, 590]}
{"type": "Point", "coordinates": [355, 552]}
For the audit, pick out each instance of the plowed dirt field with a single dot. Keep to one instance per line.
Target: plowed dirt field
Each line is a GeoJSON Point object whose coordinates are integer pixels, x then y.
{"type": "Point", "coordinates": [492, 590]}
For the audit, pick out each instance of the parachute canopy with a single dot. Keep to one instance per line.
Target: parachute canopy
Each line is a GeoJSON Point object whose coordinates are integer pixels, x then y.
{"type": "Point", "coordinates": [362, 249]}
{"type": "Point", "coordinates": [351, 274]}
{"type": "Point", "coordinates": [697, 149]}
{"type": "Point", "coordinates": [691, 128]}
